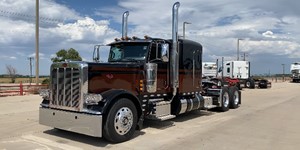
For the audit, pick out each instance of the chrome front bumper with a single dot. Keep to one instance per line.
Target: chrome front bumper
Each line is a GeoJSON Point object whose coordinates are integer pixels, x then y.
{"type": "Point", "coordinates": [87, 124]}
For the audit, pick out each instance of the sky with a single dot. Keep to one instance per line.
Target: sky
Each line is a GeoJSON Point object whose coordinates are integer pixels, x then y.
{"type": "Point", "coordinates": [268, 29]}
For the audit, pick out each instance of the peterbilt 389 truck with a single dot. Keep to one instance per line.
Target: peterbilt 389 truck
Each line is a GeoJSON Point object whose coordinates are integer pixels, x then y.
{"type": "Point", "coordinates": [149, 78]}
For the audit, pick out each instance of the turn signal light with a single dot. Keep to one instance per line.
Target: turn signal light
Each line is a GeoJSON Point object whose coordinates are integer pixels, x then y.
{"type": "Point", "coordinates": [141, 85]}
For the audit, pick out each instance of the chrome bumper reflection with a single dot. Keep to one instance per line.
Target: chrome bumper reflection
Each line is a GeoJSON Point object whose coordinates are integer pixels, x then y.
{"type": "Point", "coordinates": [87, 124]}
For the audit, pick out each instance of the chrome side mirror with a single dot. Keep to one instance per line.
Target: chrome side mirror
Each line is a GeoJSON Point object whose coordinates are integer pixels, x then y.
{"type": "Point", "coordinates": [165, 52]}
{"type": "Point", "coordinates": [96, 54]}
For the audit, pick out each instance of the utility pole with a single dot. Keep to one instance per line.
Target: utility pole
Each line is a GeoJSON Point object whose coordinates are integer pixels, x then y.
{"type": "Point", "coordinates": [244, 56]}
{"type": "Point", "coordinates": [37, 16]}
{"type": "Point", "coordinates": [283, 66]}
{"type": "Point", "coordinates": [30, 65]}
{"type": "Point", "coordinates": [184, 23]}
{"type": "Point", "coordinates": [238, 49]}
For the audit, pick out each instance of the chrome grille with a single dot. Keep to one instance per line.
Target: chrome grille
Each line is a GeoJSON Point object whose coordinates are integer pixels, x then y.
{"type": "Point", "coordinates": [65, 88]}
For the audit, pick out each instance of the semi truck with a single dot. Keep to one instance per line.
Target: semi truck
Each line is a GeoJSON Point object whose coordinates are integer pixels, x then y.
{"type": "Point", "coordinates": [144, 78]}
{"type": "Point", "coordinates": [240, 71]}
{"type": "Point", "coordinates": [209, 69]}
{"type": "Point", "coordinates": [295, 71]}
{"type": "Point", "coordinates": [233, 73]}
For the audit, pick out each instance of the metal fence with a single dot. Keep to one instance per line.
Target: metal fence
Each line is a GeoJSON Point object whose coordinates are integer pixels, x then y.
{"type": "Point", "coordinates": [20, 89]}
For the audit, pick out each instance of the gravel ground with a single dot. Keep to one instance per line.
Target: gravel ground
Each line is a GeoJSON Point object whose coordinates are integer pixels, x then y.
{"type": "Point", "coordinates": [267, 119]}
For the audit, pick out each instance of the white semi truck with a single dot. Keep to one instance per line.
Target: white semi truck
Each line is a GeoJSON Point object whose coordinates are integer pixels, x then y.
{"type": "Point", "coordinates": [209, 69]}
{"type": "Point", "coordinates": [241, 70]}
{"type": "Point", "coordinates": [237, 69]}
{"type": "Point", "coordinates": [295, 71]}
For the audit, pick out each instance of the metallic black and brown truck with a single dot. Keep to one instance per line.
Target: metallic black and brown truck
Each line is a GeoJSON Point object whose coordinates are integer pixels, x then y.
{"type": "Point", "coordinates": [149, 78]}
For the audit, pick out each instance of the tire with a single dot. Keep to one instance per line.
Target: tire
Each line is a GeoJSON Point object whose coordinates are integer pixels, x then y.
{"type": "Point", "coordinates": [121, 121]}
{"type": "Point", "coordinates": [219, 82]}
{"type": "Point", "coordinates": [235, 96]}
{"type": "Point", "coordinates": [238, 85]}
{"type": "Point", "coordinates": [225, 99]}
{"type": "Point", "coordinates": [247, 84]}
{"type": "Point", "coordinates": [250, 84]}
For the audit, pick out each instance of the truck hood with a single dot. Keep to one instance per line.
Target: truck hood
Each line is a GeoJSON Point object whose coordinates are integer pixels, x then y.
{"type": "Point", "coordinates": [106, 76]}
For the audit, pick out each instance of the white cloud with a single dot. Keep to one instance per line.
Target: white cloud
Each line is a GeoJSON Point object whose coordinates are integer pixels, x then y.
{"type": "Point", "coordinates": [86, 29]}
{"type": "Point", "coordinates": [18, 34]}
{"type": "Point", "coordinates": [268, 27]}
{"type": "Point", "coordinates": [5, 57]}
{"type": "Point", "coordinates": [50, 11]}
{"type": "Point", "coordinates": [269, 34]}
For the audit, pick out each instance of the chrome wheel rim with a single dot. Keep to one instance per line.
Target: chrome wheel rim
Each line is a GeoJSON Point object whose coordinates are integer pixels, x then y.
{"type": "Point", "coordinates": [236, 97]}
{"type": "Point", "coordinates": [123, 120]}
{"type": "Point", "coordinates": [219, 83]}
{"type": "Point", "coordinates": [226, 99]}
{"type": "Point", "coordinates": [248, 84]}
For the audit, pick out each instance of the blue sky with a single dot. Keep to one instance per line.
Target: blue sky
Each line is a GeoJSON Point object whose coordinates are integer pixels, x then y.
{"type": "Point", "coordinates": [269, 29]}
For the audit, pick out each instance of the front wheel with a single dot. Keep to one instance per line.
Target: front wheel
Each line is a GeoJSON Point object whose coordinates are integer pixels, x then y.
{"type": "Point", "coordinates": [121, 121]}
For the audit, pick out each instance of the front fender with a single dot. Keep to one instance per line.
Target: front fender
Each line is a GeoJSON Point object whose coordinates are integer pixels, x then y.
{"type": "Point", "coordinates": [111, 96]}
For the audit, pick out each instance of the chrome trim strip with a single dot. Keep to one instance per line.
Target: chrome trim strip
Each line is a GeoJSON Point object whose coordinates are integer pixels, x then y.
{"type": "Point", "coordinates": [65, 82]}
{"type": "Point", "coordinates": [191, 102]}
{"type": "Point", "coordinates": [71, 101]}
{"type": "Point", "coordinates": [57, 85]}
{"type": "Point", "coordinates": [183, 106]}
{"type": "Point", "coordinates": [199, 101]}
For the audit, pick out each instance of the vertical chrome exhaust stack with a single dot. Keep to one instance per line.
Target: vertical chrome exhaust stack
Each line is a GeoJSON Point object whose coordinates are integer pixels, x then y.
{"type": "Point", "coordinates": [124, 24]}
{"type": "Point", "coordinates": [174, 66]}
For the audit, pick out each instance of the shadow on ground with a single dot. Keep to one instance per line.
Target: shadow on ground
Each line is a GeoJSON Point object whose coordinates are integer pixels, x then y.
{"type": "Point", "coordinates": [101, 142]}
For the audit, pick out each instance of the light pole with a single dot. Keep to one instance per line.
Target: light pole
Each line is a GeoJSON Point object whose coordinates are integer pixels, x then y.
{"type": "Point", "coordinates": [283, 65]}
{"type": "Point", "coordinates": [184, 23]}
{"type": "Point", "coordinates": [37, 16]}
{"type": "Point", "coordinates": [238, 49]}
{"type": "Point", "coordinates": [30, 65]}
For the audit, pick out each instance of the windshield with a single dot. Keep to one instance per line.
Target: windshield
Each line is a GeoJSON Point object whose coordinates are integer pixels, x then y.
{"type": "Point", "coordinates": [128, 52]}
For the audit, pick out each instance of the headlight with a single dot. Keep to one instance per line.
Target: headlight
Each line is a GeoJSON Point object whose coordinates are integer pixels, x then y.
{"type": "Point", "coordinates": [45, 93]}
{"type": "Point", "coordinates": [92, 99]}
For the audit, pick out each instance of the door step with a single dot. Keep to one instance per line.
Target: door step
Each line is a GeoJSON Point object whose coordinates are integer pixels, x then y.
{"type": "Point", "coordinates": [167, 117]}
{"type": "Point", "coordinates": [160, 118]}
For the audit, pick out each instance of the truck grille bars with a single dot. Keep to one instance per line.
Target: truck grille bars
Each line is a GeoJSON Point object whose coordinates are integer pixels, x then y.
{"type": "Point", "coordinates": [65, 88]}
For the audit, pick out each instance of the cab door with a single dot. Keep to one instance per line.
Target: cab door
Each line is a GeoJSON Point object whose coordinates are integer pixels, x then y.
{"type": "Point", "coordinates": [162, 68]}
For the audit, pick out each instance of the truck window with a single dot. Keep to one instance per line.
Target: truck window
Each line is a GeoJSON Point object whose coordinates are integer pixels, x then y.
{"type": "Point", "coordinates": [154, 54]}
{"type": "Point", "coordinates": [228, 70]}
{"type": "Point", "coordinates": [128, 52]}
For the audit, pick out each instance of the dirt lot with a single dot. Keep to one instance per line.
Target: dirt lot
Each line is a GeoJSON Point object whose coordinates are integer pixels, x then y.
{"type": "Point", "coordinates": [267, 119]}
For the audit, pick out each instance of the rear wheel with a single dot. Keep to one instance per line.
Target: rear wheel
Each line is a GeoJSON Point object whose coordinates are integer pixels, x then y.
{"type": "Point", "coordinates": [224, 99]}
{"type": "Point", "coordinates": [234, 95]}
{"type": "Point", "coordinates": [219, 82]}
{"type": "Point", "coordinates": [250, 84]}
{"type": "Point", "coordinates": [238, 85]}
{"type": "Point", "coordinates": [121, 121]}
